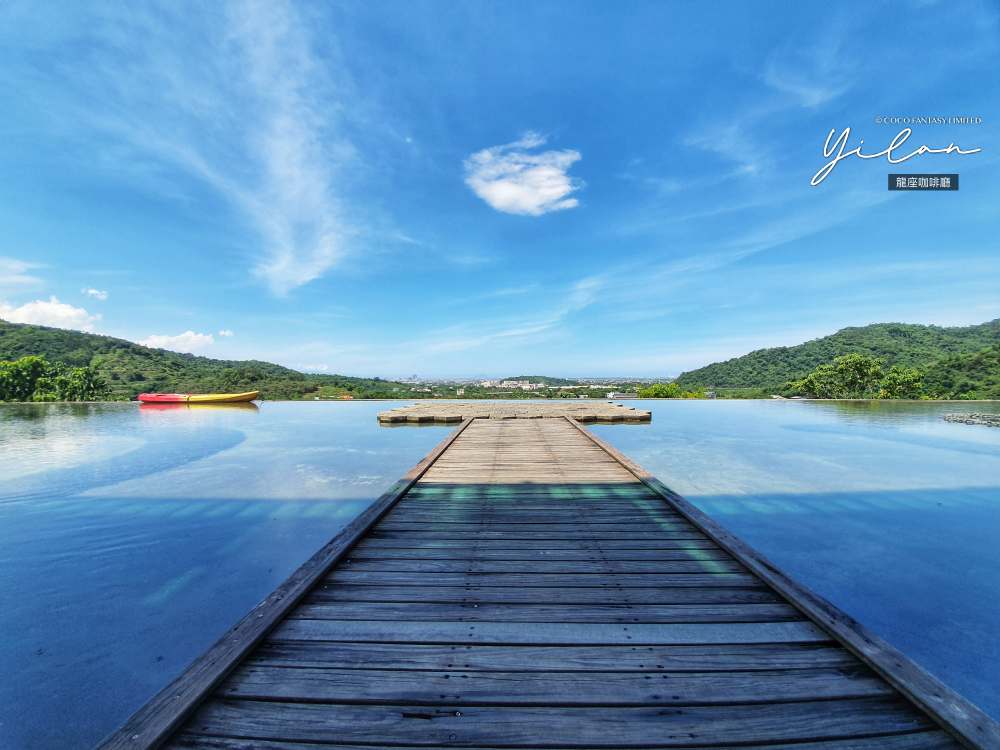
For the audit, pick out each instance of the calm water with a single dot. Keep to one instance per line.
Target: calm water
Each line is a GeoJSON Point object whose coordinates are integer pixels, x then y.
{"type": "Point", "coordinates": [131, 539]}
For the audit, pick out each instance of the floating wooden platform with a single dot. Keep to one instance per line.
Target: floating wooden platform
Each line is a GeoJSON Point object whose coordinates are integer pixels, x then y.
{"type": "Point", "coordinates": [527, 586]}
{"type": "Point", "coordinates": [582, 410]}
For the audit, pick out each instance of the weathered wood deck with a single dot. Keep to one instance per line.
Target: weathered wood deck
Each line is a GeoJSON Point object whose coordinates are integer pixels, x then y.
{"type": "Point", "coordinates": [526, 586]}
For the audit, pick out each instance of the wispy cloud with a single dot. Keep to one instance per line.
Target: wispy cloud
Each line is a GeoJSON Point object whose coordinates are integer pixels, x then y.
{"type": "Point", "coordinates": [236, 97]}
{"type": "Point", "coordinates": [806, 74]}
{"type": "Point", "coordinates": [12, 274]}
{"type": "Point", "coordinates": [514, 181]}
{"type": "Point", "coordinates": [184, 342]}
{"type": "Point", "coordinates": [732, 140]}
{"type": "Point", "coordinates": [227, 333]}
{"type": "Point", "coordinates": [812, 73]}
{"type": "Point", "coordinates": [516, 330]}
{"type": "Point", "coordinates": [53, 313]}
{"type": "Point", "coordinates": [94, 293]}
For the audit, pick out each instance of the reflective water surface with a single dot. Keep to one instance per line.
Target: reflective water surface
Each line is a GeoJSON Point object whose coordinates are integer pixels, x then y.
{"type": "Point", "coordinates": [883, 508]}
{"type": "Point", "coordinates": [132, 538]}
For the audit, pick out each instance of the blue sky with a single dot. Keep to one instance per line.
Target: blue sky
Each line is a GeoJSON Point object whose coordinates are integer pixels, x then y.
{"type": "Point", "coordinates": [455, 189]}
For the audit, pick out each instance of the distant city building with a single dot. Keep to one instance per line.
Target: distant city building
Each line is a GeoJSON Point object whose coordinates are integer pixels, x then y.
{"type": "Point", "coordinates": [490, 383]}
{"type": "Point", "coordinates": [524, 385]}
{"type": "Point", "coordinates": [710, 394]}
{"type": "Point", "coordinates": [583, 395]}
{"type": "Point", "coordinates": [622, 395]}
{"type": "Point", "coordinates": [460, 392]}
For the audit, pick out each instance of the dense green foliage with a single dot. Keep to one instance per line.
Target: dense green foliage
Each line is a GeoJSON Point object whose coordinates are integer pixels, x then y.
{"type": "Point", "coordinates": [858, 376]}
{"type": "Point", "coordinates": [130, 369]}
{"type": "Point", "coordinates": [661, 390]}
{"type": "Point", "coordinates": [901, 345]}
{"type": "Point", "coordinates": [964, 376]}
{"type": "Point", "coordinates": [34, 379]}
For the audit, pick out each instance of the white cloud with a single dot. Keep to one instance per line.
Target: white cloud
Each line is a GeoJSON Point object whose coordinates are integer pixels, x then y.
{"type": "Point", "coordinates": [513, 181]}
{"type": "Point", "coordinates": [12, 273]}
{"type": "Point", "coordinates": [227, 333]}
{"type": "Point", "coordinates": [235, 96]}
{"type": "Point", "coordinates": [94, 293]}
{"type": "Point", "coordinates": [185, 342]}
{"type": "Point", "coordinates": [53, 313]}
{"type": "Point", "coordinates": [313, 368]}
{"type": "Point", "coordinates": [290, 144]}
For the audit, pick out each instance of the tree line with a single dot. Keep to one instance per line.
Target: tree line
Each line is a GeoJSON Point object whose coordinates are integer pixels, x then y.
{"type": "Point", "coordinates": [858, 376]}
{"type": "Point", "coordinates": [851, 376]}
{"type": "Point", "coordinates": [34, 379]}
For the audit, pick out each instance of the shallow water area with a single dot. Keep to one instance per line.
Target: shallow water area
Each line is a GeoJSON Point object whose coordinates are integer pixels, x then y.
{"type": "Point", "coordinates": [131, 538]}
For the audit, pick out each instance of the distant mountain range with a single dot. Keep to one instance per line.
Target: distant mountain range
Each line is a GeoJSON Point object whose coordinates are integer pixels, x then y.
{"type": "Point", "coordinates": [131, 368]}
{"type": "Point", "coordinates": [957, 362]}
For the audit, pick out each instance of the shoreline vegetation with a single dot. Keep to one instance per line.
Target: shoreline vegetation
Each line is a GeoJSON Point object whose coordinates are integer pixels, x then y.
{"type": "Point", "coordinates": [879, 361]}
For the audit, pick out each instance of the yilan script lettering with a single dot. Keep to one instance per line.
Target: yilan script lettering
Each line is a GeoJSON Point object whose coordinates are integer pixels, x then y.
{"type": "Point", "coordinates": [841, 143]}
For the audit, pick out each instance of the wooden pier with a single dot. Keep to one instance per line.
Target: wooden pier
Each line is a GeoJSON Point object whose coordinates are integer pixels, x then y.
{"type": "Point", "coordinates": [527, 586]}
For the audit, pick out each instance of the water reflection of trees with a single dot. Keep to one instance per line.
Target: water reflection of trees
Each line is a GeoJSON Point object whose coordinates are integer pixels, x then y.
{"type": "Point", "coordinates": [42, 411]}
{"type": "Point", "coordinates": [883, 412]}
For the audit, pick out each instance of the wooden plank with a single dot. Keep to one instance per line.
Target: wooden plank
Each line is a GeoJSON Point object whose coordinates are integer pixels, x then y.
{"type": "Point", "coordinates": [583, 497]}
{"type": "Point", "coordinates": [609, 580]}
{"type": "Point", "coordinates": [929, 740]}
{"type": "Point", "coordinates": [617, 613]}
{"type": "Point", "coordinates": [651, 659]}
{"type": "Point", "coordinates": [556, 494]}
{"type": "Point", "coordinates": [368, 553]}
{"type": "Point", "coordinates": [364, 551]}
{"type": "Point", "coordinates": [581, 527]}
{"type": "Point", "coordinates": [536, 633]}
{"type": "Point", "coordinates": [461, 688]}
{"type": "Point", "coordinates": [957, 715]}
{"type": "Point", "coordinates": [558, 727]}
{"type": "Point", "coordinates": [538, 595]}
{"type": "Point", "coordinates": [441, 518]}
{"type": "Point", "coordinates": [535, 507]}
{"type": "Point", "coordinates": [551, 516]}
{"type": "Point", "coordinates": [415, 541]}
{"type": "Point", "coordinates": [551, 567]}
{"type": "Point", "coordinates": [582, 535]}
{"type": "Point", "coordinates": [150, 725]}
{"type": "Point", "coordinates": [529, 515]}
{"type": "Point", "coordinates": [592, 494]}
{"type": "Point", "coordinates": [630, 532]}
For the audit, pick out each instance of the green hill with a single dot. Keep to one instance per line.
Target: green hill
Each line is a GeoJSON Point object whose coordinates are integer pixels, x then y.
{"type": "Point", "coordinates": [131, 369]}
{"type": "Point", "coordinates": [898, 343]}
{"type": "Point", "coordinates": [975, 375]}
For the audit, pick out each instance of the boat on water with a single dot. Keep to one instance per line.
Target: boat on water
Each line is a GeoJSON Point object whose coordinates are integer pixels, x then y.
{"type": "Point", "coordinates": [197, 398]}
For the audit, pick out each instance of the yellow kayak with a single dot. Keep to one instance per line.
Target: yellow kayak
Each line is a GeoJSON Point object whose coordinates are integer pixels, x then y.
{"type": "Point", "coordinates": [196, 398]}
